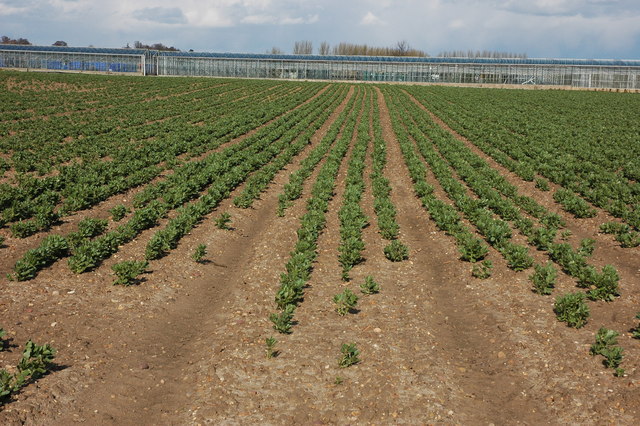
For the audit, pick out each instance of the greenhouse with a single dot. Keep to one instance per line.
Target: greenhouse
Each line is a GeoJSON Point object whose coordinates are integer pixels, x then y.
{"type": "Point", "coordinates": [585, 73]}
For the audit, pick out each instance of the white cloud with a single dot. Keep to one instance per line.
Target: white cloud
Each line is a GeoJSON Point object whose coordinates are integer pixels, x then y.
{"type": "Point", "coordinates": [370, 19]}
{"type": "Point", "coordinates": [593, 28]}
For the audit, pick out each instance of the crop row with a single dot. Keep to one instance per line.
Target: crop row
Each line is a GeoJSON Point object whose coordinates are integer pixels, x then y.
{"type": "Point", "coordinates": [220, 172]}
{"type": "Point", "coordinates": [82, 185]}
{"type": "Point", "coordinates": [600, 163]}
{"type": "Point", "coordinates": [312, 223]}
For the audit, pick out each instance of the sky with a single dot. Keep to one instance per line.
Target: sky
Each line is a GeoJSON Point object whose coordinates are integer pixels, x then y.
{"type": "Point", "coordinates": [603, 29]}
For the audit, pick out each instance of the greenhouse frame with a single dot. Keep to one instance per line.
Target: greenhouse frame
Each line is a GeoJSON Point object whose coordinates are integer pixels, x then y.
{"type": "Point", "coordinates": [583, 73]}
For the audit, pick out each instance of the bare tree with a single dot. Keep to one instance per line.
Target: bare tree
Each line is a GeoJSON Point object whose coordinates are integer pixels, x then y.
{"type": "Point", "coordinates": [275, 51]}
{"type": "Point", "coordinates": [402, 48]}
{"type": "Point", "coordinates": [304, 47]}
{"type": "Point", "coordinates": [324, 48]}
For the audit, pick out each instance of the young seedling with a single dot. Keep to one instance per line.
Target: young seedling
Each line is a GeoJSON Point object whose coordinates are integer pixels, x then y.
{"type": "Point", "coordinates": [349, 355]}
{"type": "Point", "coordinates": [572, 309]}
{"type": "Point", "coordinates": [369, 286]}
{"type": "Point", "coordinates": [482, 270]}
{"type": "Point", "coordinates": [2, 334]}
{"type": "Point", "coordinates": [606, 341]}
{"type": "Point", "coordinates": [282, 322]}
{"type": "Point", "coordinates": [345, 301]}
{"type": "Point", "coordinates": [542, 184]}
{"type": "Point", "coordinates": [544, 278]}
{"type": "Point", "coordinates": [338, 380]}
{"type": "Point", "coordinates": [35, 362]}
{"type": "Point", "coordinates": [396, 251]}
{"type": "Point", "coordinates": [271, 344]}
{"type": "Point", "coordinates": [199, 253]}
{"type": "Point", "coordinates": [635, 332]}
{"type": "Point", "coordinates": [118, 212]}
{"type": "Point", "coordinates": [223, 221]}
{"type": "Point", "coordinates": [128, 272]}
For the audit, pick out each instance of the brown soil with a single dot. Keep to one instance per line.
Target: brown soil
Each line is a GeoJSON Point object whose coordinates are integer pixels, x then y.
{"type": "Point", "coordinates": [187, 345]}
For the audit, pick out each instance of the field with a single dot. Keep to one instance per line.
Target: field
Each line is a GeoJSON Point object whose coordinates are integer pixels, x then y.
{"type": "Point", "coordinates": [243, 251]}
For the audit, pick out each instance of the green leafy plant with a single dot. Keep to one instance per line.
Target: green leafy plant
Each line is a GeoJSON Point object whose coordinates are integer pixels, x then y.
{"type": "Point", "coordinates": [572, 309]}
{"type": "Point", "coordinates": [604, 285]}
{"type": "Point", "coordinates": [587, 246]}
{"type": "Point", "coordinates": [369, 286]}
{"type": "Point", "coordinates": [345, 301]}
{"type": "Point", "coordinates": [635, 332]}
{"type": "Point", "coordinates": [127, 272]}
{"type": "Point", "coordinates": [542, 184]}
{"type": "Point", "coordinates": [2, 334]}
{"type": "Point", "coordinates": [605, 345]}
{"type": "Point", "coordinates": [471, 249]}
{"type": "Point", "coordinates": [544, 278]}
{"type": "Point", "coordinates": [338, 380]}
{"type": "Point", "coordinates": [282, 322]}
{"type": "Point", "coordinates": [482, 270]}
{"type": "Point", "coordinates": [349, 356]}
{"type": "Point", "coordinates": [199, 253]}
{"type": "Point", "coordinates": [517, 256]}
{"type": "Point", "coordinates": [118, 212]}
{"type": "Point", "coordinates": [223, 221]}
{"type": "Point", "coordinates": [271, 344]}
{"type": "Point", "coordinates": [36, 361]}
{"type": "Point", "coordinates": [396, 251]}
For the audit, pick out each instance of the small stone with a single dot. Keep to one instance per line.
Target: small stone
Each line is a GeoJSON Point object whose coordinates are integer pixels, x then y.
{"type": "Point", "coordinates": [55, 293]}
{"type": "Point", "coordinates": [377, 330]}
{"type": "Point", "coordinates": [144, 366]}
{"type": "Point", "coordinates": [501, 355]}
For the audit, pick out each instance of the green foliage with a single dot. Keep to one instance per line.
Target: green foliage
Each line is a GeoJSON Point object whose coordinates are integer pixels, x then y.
{"type": "Point", "coordinates": [223, 221]}
{"type": "Point", "coordinates": [542, 184]}
{"type": "Point", "coordinates": [345, 301]}
{"type": "Point", "coordinates": [36, 361]}
{"type": "Point", "coordinates": [605, 345]}
{"type": "Point", "coordinates": [517, 256]}
{"type": "Point", "coordinates": [635, 332]}
{"type": "Point", "coordinates": [290, 292]}
{"type": "Point", "coordinates": [282, 322]}
{"type": "Point", "coordinates": [51, 249]}
{"type": "Point", "coordinates": [2, 334]}
{"type": "Point", "coordinates": [349, 356]}
{"type": "Point", "coordinates": [604, 286]}
{"type": "Point", "coordinates": [396, 251]}
{"type": "Point", "coordinates": [587, 246]}
{"type": "Point", "coordinates": [573, 203]}
{"type": "Point", "coordinates": [544, 279]}
{"type": "Point", "coordinates": [271, 344]}
{"type": "Point", "coordinates": [623, 232]}
{"type": "Point", "coordinates": [369, 286]}
{"type": "Point", "coordinates": [564, 236]}
{"type": "Point", "coordinates": [471, 249]}
{"type": "Point", "coordinates": [572, 309]}
{"type": "Point", "coordinates": [199, 253]}
{"type": "Point", "coordinates": [543, 238]}
{"type": "Point", "coordinates": [118, 212]}
{"type": "Point", "coordinates": [482, 270]}
{"type": "Point", "coordinates": [127, 272]}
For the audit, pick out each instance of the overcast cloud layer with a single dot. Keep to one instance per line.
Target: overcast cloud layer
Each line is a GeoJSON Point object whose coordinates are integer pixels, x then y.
{"type": "Point", "coordinates": [538, 28]}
